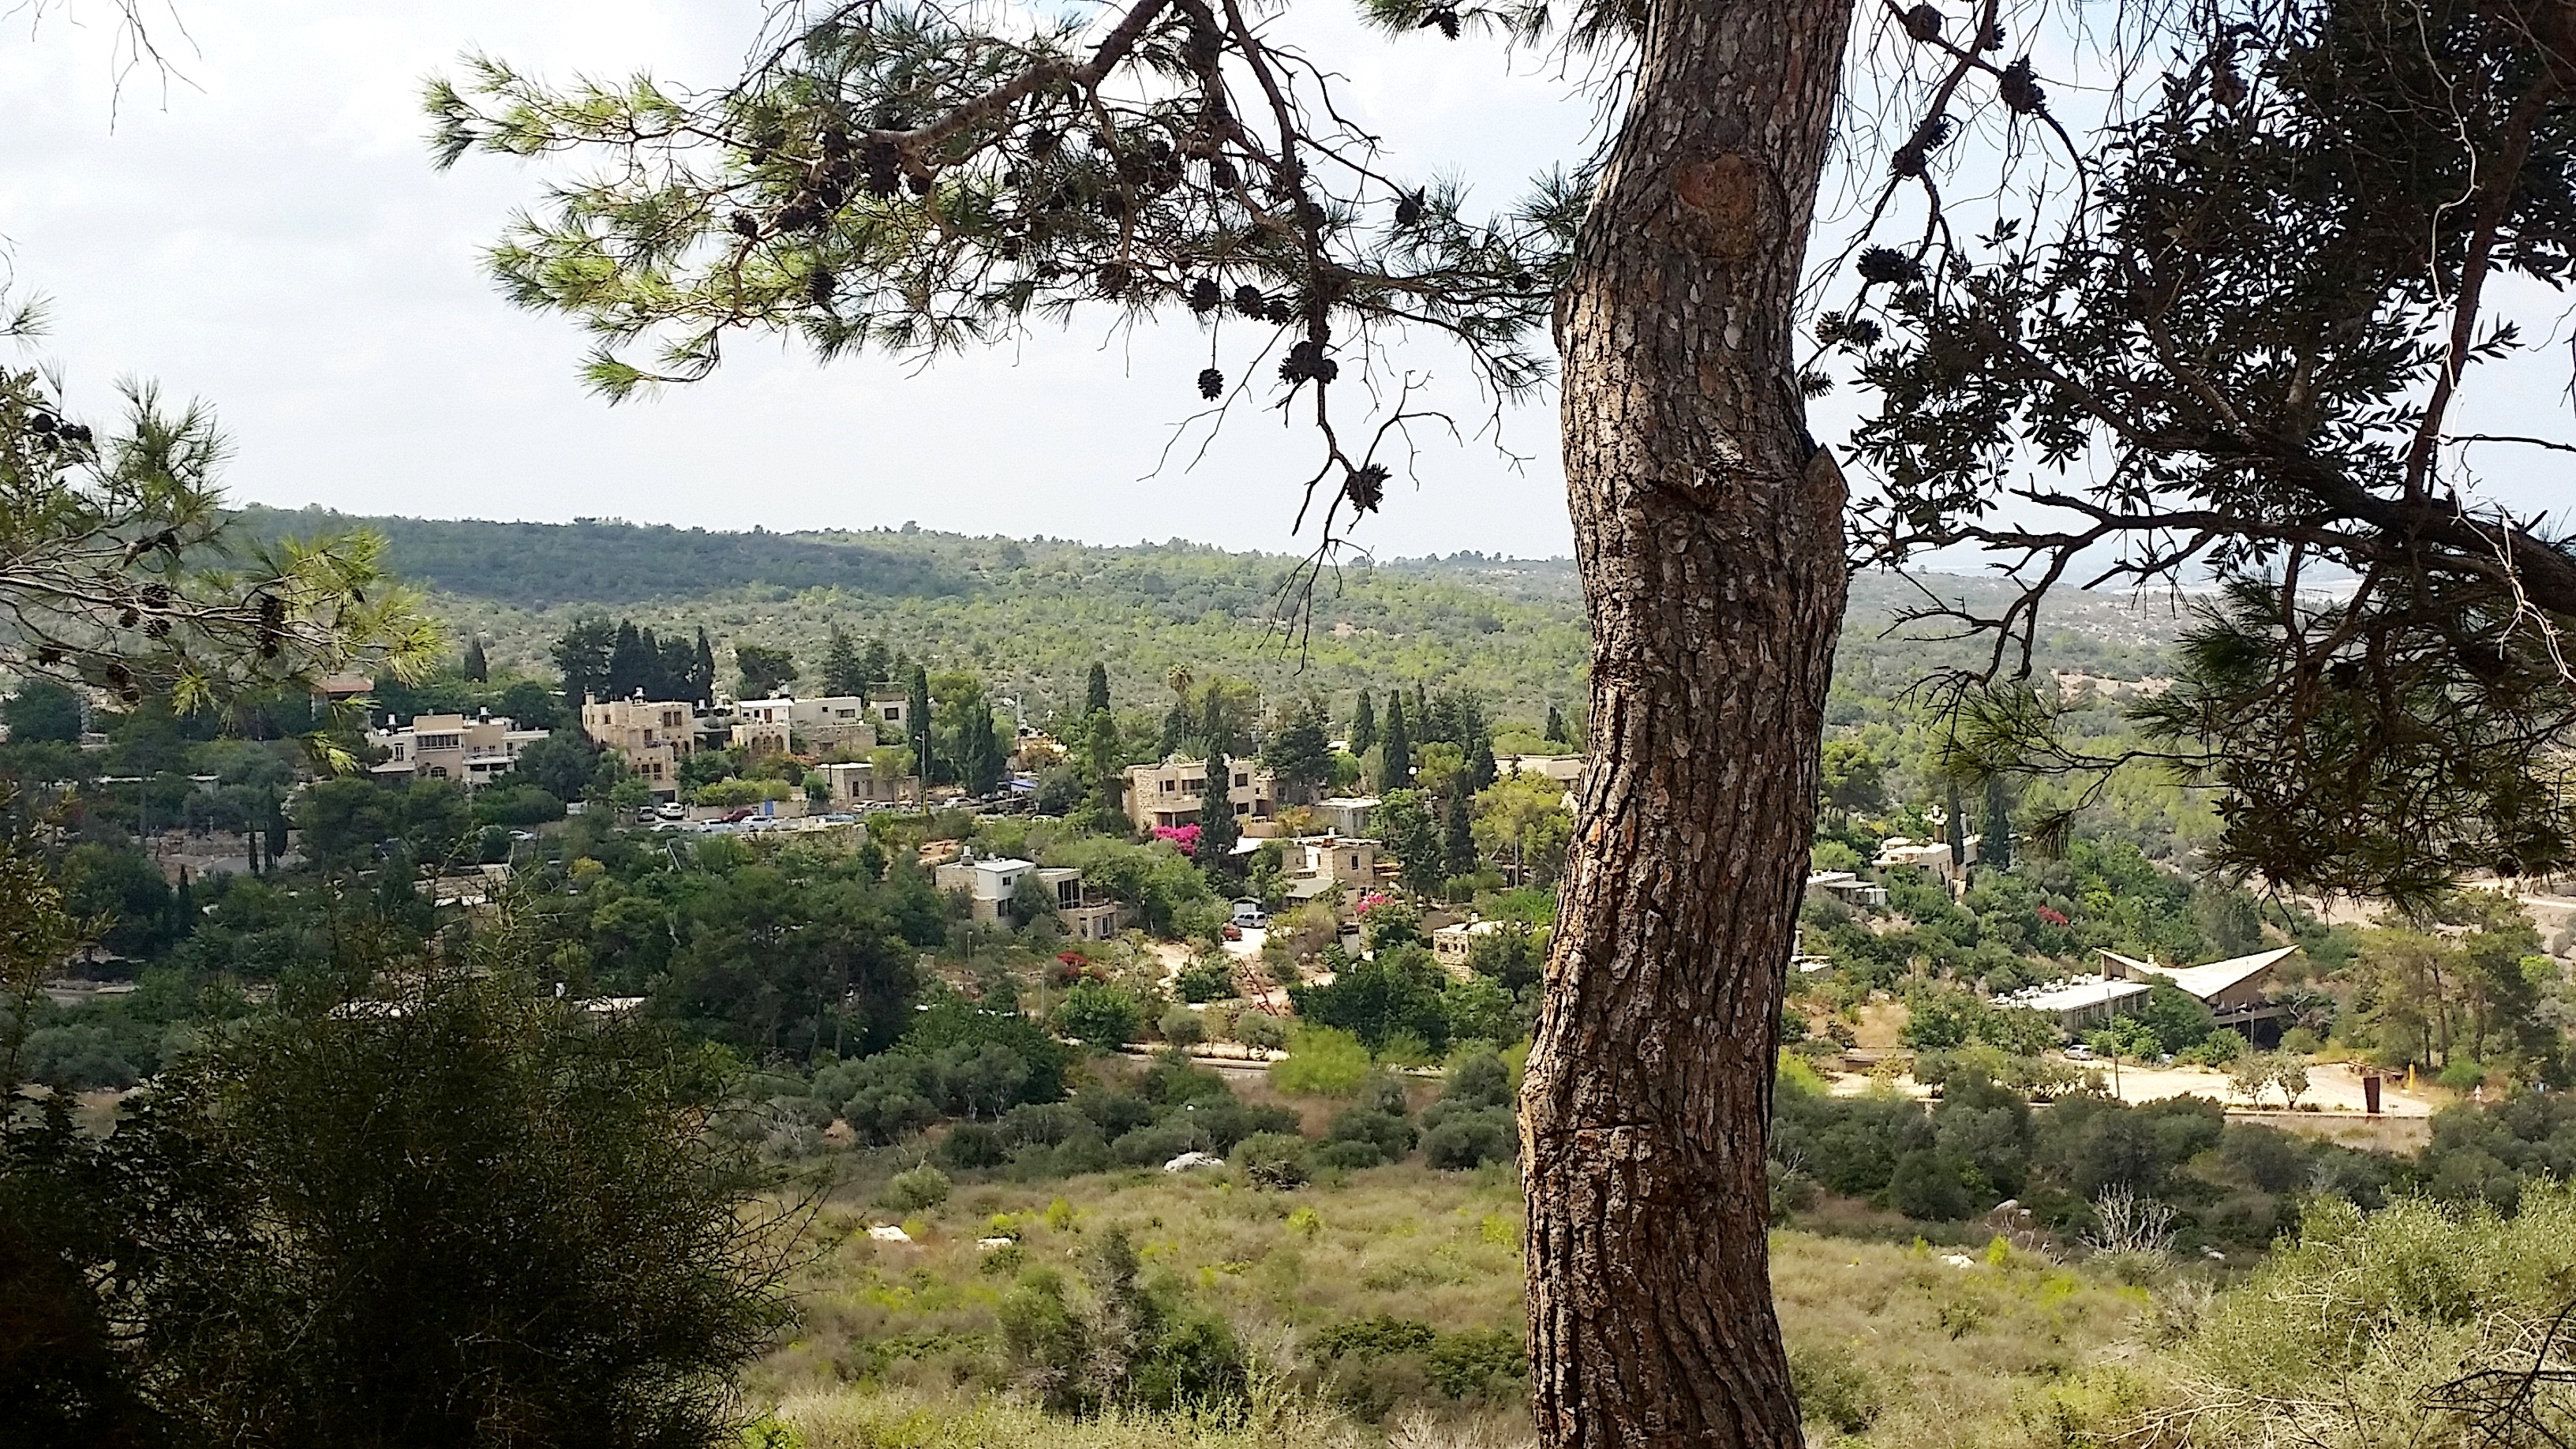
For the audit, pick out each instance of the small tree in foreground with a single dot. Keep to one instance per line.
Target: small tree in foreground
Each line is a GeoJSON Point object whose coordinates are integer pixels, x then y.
{"type": "Point", "coordinates": [471, 1215]}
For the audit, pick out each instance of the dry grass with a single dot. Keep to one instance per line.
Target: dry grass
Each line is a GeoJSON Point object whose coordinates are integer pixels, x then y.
{"type": "Point", "coordinates": [1894, 1345]}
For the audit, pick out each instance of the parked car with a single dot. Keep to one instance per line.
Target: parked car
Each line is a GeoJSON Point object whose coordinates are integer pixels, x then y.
{"type": "Point", "coordinates": [673, 810]}
{"type": "Point", "coordinates": [1233, 932]}
{"type": "Point", "coordinates": [739, 814]}
{"type": "Point", "coordinates": [1250, 916]}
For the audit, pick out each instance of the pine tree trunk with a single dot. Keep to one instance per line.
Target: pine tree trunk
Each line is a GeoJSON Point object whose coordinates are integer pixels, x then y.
{"type": "Point", "coordinates": [1709, 530]}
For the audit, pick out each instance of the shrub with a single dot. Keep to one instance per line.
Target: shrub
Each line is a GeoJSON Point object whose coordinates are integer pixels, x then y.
{"type": "Point", "coordinates": [918, 1190]}
{"type": "Point", "coordinates": [1834, 1391]}
{"type": "Point", "coordinates": [1183, 1027]}
{"type": "Point", "coordinates": [1322, 1061]}
{"type": "Point", "coordinates": [1478, 1079]}
{"type": "Point", "coordinates": [1471, 1139]}
{"type": "Point", "coordinates": [971, 1145]}
{"type": "Point", "coordinates": [1158, 1144]}
{"type": "Point", "coordinates": [1204, 980]}
{"type": "Point", "coordinates": [1103, 1016]}
{"type": "Point", "coordinates": [1229, 1122]}
{"type": "Point", "coordinates": [1387, 1135]}
{"type": "Point", "coordinates": [1260, 1029]}
{"type": "Point", "coordinates": [1932, 1186]}
{"type": "Point", "coordinates": [321, 1222]}
{"type": "Point", "coordinates": [1348, 1155]}
{"type": "Point", "coordinates": [1272, 1159]}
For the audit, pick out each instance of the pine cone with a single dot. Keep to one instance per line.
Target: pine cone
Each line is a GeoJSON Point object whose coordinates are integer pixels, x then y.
{"type": "Point", "coordinates": [1408, 208]}
{"type": "Point", "coordinates": [2020, 90]}
{"type": "Point", "coordinates": [1249, 301]}
{"type": "Point", "coordinates": [746, 224]}
{"type": "Point", "coordinates": [1211, 383]}
{"type": "Point", "coordinates": [1205, 296]}
{"type": "Point", "coordinates": [1923, 23]}
{"type": "Point", "coordinates": [1366, 487]}
{"type": "Point", "coordinates": [1885, 264]}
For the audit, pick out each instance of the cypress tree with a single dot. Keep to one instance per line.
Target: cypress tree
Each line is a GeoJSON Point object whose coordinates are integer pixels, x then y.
{"type": "Point", "coordinates": [1461, 834]}
{"type": "Point", "coordinates": [876, 666]}
{"type": "Point", "coordinates": [1480, 768]}
{"type": "Point", "coordinates": [1363, 726]}
{"type": "Point", "coordinates": [1217, 832]}
{"type": "Point", "coordinates": [1095, 694]}
{"type": "Point", "coordinates": [702, 678]}
{"type": "Point", "coordinates": [1556, 727]}
{"type": "Point", "coordinates": [1957, 830]}
{"type": "Point", "coordinates": [980, 760]}
{"type": "Point", "coordinates": [1101, 760]}
{"type": "Point", "coordinates": [477, 668]}
{"type": "Point", "coordinates": [627, 664]}
{"type": "Point", "coordinates": [1396, 769]}
{"type": "Point", "coordinates": [842, 671]}
{"type": "Point", "coordinates": [1213, 729]}
{"type": "Point", "coordinates": [1997, 848]}
{"type": "Point", "coordinates": [917, 712]}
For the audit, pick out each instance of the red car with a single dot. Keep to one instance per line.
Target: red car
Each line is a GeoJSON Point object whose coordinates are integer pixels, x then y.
{"type": "Point", "coordinates": [1233, 932]}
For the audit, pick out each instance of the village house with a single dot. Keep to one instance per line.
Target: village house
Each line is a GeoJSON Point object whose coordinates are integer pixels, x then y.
{"type": "Point", "coordinates": [1565, 770]}
{"type": "Point", "coordinates": [450, 747]}
{"type": "Point", "coordinates": [990, 884]}
{"type": "Point", "coordinates": [1453, 946]}
{"type": "Point", "coordinates": [819, 726]}
{"type": "Point", "coordinates": [1929, 856]}
{"type": "Point", "coordinates": [2236, 991]}
{"type": "Point", "coordinates": [860, 784]}
{"type": "Point", "coordinates": [1168, 795]}
{"type": "Point", "coordinates": [1319, 866]}
{"type": "Point", "coordinates": [1849, 889]}
{"type": "Point", "coordinates": [1350, 816]}
{"type": "Point", "coordinates": [653, 735]}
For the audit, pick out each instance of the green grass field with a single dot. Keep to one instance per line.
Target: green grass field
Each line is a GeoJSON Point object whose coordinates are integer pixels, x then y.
{"type": "Point", "coordinates": [900, 1344]}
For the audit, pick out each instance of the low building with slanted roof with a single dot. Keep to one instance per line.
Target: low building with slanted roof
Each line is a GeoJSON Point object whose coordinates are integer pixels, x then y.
{"type": "Point", "coordinates": [2236, 990]}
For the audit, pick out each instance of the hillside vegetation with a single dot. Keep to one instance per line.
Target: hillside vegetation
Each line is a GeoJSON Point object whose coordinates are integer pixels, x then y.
{"type": "Point", "coordinates": [1034, 613]}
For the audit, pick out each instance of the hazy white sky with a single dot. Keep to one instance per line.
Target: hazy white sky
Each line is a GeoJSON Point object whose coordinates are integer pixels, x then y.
{"type": "Point", "coordinates": [271, 237]}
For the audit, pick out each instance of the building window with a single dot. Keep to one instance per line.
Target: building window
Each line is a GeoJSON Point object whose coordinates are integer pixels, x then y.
{"type": "Point", "coordinates": [1241, 779]}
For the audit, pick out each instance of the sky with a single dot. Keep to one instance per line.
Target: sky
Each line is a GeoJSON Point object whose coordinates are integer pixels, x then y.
{"type": "Point", "coordinates": [268, 234]}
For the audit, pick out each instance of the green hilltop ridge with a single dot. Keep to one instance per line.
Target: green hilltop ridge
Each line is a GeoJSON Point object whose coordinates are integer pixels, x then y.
{"type": "Point", "coordinates": [1034, 613]}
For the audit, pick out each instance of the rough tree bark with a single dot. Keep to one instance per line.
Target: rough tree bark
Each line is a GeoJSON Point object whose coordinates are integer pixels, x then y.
{"type": "Point", "coordinates": [1709, 530]}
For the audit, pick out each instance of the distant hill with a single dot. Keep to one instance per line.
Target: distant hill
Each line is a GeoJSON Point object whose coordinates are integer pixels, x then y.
{"type": "Point", "coordinates": [1032, 614]}
{"type": "Point", "coordinates": [596, 561]}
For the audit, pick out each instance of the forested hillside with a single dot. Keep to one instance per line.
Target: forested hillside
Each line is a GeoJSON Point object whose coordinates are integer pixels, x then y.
{"type": "Point", "coordinates": [1035, 613]}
